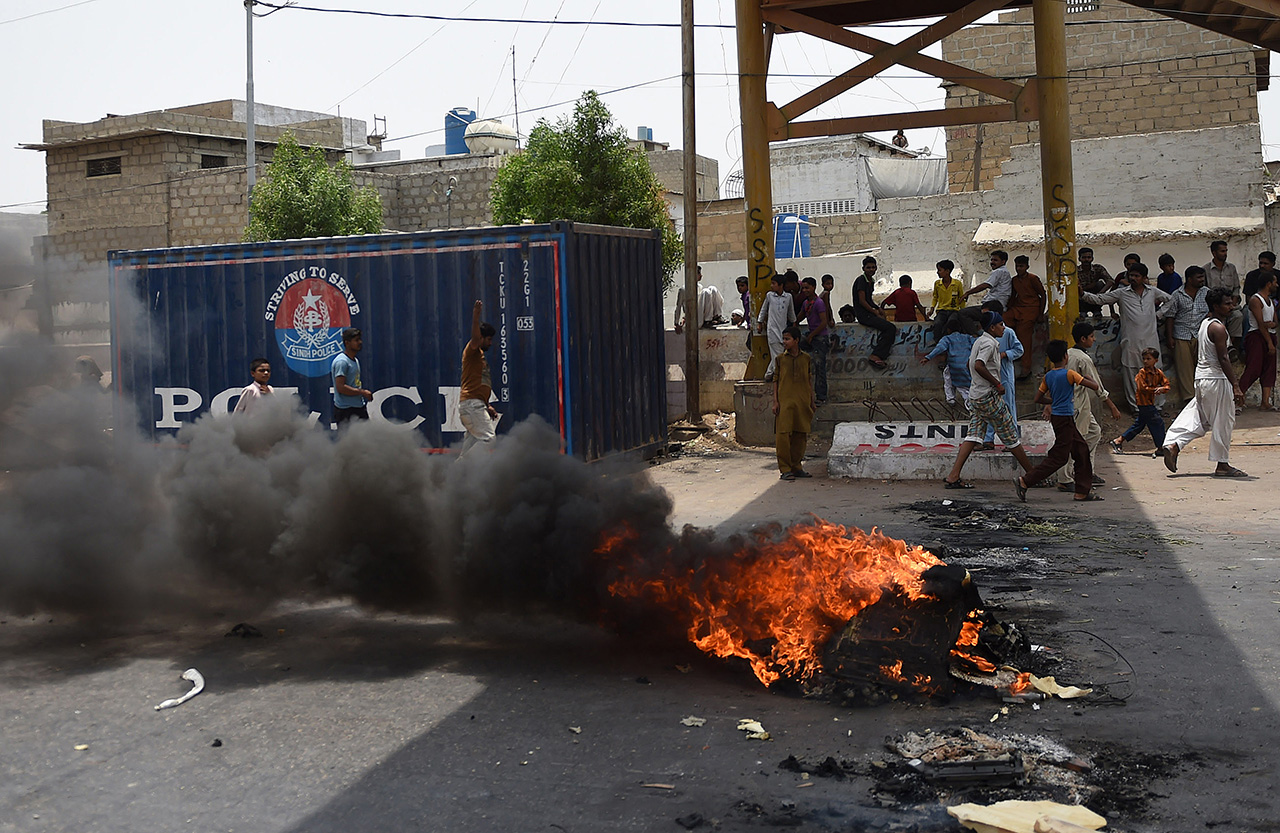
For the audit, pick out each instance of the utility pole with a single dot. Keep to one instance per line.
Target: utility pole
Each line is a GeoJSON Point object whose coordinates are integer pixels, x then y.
{"type": "Point", "coordinates": [692, 326]}
{"type": "Point", "coordinates": [1057, 185]}
{"type": "Point", "coordinates": [515, 94]}
{"type": "Point", "coordinates": [251, 147]}
{"type": "Point", "coordinates": [753, 70]}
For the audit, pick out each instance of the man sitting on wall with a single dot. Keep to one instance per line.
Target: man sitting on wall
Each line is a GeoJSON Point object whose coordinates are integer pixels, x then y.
{"type": "Point", "coordinates": [710, 306]}
{"type": "Point", "coordinates": [870, 314]}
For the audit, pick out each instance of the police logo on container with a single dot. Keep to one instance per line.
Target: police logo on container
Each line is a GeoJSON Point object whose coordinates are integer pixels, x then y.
{"type": "Point", "coordinates": [310, 308]}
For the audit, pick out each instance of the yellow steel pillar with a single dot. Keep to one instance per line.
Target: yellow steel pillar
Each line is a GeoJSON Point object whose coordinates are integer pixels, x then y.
{"type": "Point", "coordinates": [753, 68]}
{"type": "Point", "coordinates": [1050, 20]}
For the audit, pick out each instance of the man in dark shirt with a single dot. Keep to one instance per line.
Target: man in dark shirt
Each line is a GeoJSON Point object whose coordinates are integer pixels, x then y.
{"type": "Point", "coordinates": [1091, 277]}
{"type": "Point", "coordinates": [868, 313]}
{"type": "Point", "coordinates": [817, 342]}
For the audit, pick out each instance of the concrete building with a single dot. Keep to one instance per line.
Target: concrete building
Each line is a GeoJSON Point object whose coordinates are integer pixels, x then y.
{"type": "Point", "coordinates": [161, 178]}
{"type": "Point", "coordinates": [178, 177]}
{"type": "Point", "coordinates": [1166, 148]}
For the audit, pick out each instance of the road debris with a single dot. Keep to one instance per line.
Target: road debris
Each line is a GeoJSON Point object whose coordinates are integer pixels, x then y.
{"type": "Point", "coordinates": [691, 821]}
{"type": "Point", "coordinates": [577, 730]}
{"type": "Point", "coordinates": [695, 721]}
{"type": "Point", "coordinates": [197, 686]}
{"type": "Point", "coordinates": [1022, 816]}
{"type": "Point", "coordinates": [81, 747]}
{"type": "Point", "coordinates": [659, 786]}
{"type": "Point", "coordinates": [245, 631]}
{"type": "Point", "coordinates": [1050, 686]}
{"type": "Point", "coordinates": [754, 730]}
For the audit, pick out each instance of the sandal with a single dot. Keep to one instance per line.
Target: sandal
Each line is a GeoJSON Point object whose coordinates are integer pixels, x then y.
{"type": "Point", "coordinates": [877, 363]}
{"type": "Point", "coordinates": [1170, 455]}
{"type": "Point", "coordinates": [1231, 471]}
{"type": "Point", "coordinates": [955, 484]}
{"type": "Point", "coordinates": [800, 473]}
{"type": "Point", "coordinates": [1090, 497]}
{"type": "Point", "coordinates": [1021, 489]}
{"type": "Point", "coordinates": [1117, 446]}
{"type": "Point", "coordinates": [1067, 487]}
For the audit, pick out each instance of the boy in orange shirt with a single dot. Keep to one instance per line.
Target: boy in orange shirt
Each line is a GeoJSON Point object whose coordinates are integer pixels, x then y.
{"type": "Point", "coordinates": [1149, 383]}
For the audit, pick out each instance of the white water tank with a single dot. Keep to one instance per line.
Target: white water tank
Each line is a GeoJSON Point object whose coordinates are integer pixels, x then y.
{"type": "Point", "coordinates": [491, 136]}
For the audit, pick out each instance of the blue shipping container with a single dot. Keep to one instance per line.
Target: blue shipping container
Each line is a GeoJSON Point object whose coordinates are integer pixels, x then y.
{"type": "Point", "coordinates": [577, 310]}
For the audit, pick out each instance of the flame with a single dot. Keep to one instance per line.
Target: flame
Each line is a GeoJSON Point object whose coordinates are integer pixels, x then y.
{"type": "Point", "coordinates": [969, 639]}
{"type": "Point", "coordinates": [893, 672]}
{"type": "Point", "coordinates": [786, 597]}
{"type": "Point", "coordinates": [1021, 684]}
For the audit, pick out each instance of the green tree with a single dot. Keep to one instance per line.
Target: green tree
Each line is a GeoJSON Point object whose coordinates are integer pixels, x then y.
{"type": "Point", "coordinates": [581, 169]}
{"type": "Point", "coordinates": [301, 195]}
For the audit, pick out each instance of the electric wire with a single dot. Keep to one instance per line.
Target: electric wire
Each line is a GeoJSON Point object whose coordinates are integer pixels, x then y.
{"type": "Point", "coordinates": [665, 25]}
{"type": "Point", "coordinates": [397, 61]}
{"type": "Point", "coordinates": [538, 52]}
{"type": "Point", "coordinates": [47, 11]}
{"type": "Point", "coordinates": [581, 38]}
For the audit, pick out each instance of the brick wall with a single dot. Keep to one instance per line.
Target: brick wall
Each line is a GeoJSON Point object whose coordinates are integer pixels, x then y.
{"type": "Point", "coordinates": [420, 201]}
{"type": "Point", "coordinates": [668, 167]}
{"type": "Point", "coordinates": [722, 232]}
{"type": "Point", "coordinates": [1127, 177]}
{"type": "Point", "coordinates": [844, 233]}
{"type": "Point", "coordinates": [1131, 72]}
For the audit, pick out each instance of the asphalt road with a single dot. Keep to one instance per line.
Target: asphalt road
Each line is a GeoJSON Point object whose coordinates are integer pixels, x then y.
{"type": "Point", "coordinates": [1167, 595]}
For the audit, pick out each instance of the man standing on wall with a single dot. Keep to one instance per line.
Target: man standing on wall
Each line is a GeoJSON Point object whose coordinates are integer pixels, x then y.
{"type": "Point", "coordinates": [1027, 305]}
{"type": "Point", "coordinates": [998, 286]}
{"type": "Point", "coordinates": [476, 414]}
{"type": "Point", "coordinates": [349, 398]}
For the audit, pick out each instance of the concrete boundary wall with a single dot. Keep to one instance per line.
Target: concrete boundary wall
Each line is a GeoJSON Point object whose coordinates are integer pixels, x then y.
{"type": "Point", "coordinates": [1197, 176]}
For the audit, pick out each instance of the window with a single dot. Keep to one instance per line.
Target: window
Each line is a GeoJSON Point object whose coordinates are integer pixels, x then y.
{"type": "Point", "coordinates": [822, 208]}
{"type": "Point", "coordinates": [211, 161]}
{"type": "Point", "coordinates": [102, 167]}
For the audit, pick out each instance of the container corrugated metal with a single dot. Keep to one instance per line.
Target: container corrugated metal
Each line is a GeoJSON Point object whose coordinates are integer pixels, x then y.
{"type": "Point", "coordinates": [577, 309]}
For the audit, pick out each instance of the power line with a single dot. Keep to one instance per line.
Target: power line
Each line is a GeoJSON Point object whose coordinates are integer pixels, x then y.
{"type": "Point", "coordinates": [511, 20]}
{"type": "Point", "coordinates": [722, 26]}
{"type": "Point", "coordinates": [394, 63]}
{"type": "Point", "coordinates": [46, 11]}
{"type": "Point", "coordinates": [548, 106]}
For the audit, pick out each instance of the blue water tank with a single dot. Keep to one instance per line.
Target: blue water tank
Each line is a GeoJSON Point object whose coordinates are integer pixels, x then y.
{"type": "Point", "coordinates": [455, 128]}
{"type": "Point", "coordinates": [791, 235]}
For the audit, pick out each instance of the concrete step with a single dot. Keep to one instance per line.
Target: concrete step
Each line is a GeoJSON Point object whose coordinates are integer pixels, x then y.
{"type": "Point", "coordinates": [924, 451]}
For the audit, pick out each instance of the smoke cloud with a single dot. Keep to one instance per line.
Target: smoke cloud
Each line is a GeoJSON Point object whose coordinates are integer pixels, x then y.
{"type": "Point", "coordinates": [237, 513]}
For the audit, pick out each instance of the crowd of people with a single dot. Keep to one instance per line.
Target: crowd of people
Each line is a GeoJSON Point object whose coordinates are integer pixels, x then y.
{"type": "Point", "coordinates": [986, 348]}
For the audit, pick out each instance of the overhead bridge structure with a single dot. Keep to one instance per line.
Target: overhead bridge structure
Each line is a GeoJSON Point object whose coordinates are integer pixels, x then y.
{"type": "Point", "coordinates": [1042, 98]}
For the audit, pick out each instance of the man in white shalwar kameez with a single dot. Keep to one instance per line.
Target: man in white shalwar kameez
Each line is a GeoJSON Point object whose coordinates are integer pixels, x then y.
{"type": "Point", "coordinates": [1217, 392]}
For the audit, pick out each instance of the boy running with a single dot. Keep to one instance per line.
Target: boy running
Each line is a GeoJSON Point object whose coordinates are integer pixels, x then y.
{"type": "Point", "coordinates": [1057, 390]}
{"type": "Point", "coordinates": [1149, 383]}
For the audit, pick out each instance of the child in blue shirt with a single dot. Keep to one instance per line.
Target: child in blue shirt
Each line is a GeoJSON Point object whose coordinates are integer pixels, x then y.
{"type": "Point", "coordinates": [957, 345]}
{"type": "Point", "coordinates": [1056, 391]}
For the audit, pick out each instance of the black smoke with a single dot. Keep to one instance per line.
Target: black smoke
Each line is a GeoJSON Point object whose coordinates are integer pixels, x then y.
{"type": "Point", "coordinates": [238, 513]}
